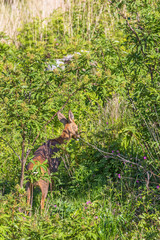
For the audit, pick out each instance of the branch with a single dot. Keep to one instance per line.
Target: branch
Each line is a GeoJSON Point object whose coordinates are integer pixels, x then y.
{"type": "Point", "coordinates": [7, 143]}
{"type": "Point", "coordinates": [134, 32]}
{"type": "Point", "coordinates": [131, 28]}
{"type": "Point", "coordinates": [121, 158]}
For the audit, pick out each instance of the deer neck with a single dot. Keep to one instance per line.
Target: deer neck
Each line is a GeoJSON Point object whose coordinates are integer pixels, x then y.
{"type": "Point", "coordinates": [65, 136]}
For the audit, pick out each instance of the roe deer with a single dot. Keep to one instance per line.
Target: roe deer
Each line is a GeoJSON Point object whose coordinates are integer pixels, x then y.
{"type": "Point", "coordinates": [45, 152]}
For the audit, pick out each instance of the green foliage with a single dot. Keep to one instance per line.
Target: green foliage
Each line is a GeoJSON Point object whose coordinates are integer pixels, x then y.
{"type": "Point", "coordinates": [102, 214]}
{"type": "Point", "coordinates": [36, 173]}
{"type": "Point", "coordinates": [112, 87]}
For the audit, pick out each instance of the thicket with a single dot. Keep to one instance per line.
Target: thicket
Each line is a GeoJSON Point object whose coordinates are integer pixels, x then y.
{"type": "Point", "coordinates": [107, 186]}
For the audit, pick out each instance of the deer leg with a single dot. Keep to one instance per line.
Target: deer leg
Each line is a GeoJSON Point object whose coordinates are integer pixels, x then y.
{"type": "Point", "coordinates": [44, 185]}
{"type": "Point", "coordinates": [28, 186]}
{"type": "Point", "coordinates": [29, 195]}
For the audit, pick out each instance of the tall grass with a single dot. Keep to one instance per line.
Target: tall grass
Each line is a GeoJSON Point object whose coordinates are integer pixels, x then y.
{"type": "Point", "coordinates": [79, 17]}
{"type": "Point", "coordinates": [13, 14]}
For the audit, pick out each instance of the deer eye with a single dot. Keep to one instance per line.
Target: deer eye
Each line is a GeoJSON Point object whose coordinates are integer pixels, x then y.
{"type": "Point", "coordinates": [73, 127]}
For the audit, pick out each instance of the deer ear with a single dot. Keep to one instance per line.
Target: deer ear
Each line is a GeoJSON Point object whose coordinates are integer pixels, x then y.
{"type": "Point", "coordinates": [71, 116]}
{"type": "Point", "coordinates": [62, 118]}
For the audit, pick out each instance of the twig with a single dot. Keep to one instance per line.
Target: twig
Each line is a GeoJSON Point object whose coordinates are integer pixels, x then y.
{"type": "Point", "coordinates": [66, 167]}
{"type": "Point", "coordinates": [147, 180]}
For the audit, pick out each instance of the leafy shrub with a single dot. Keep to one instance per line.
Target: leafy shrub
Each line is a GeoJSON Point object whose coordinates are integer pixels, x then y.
{"type": "Point", "coordinates": [112, 88]}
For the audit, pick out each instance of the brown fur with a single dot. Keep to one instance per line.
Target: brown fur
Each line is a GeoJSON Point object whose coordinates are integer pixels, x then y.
{"type": "Point", "coordinates": [45, 152]}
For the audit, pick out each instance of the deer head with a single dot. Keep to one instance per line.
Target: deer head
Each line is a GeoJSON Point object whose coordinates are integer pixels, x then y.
{"type": "Point", "coordinates": [70, 127]}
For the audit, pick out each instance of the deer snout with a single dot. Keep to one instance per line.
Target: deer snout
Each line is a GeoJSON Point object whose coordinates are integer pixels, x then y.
{"type": "Point", "coordinates": [76, 135]}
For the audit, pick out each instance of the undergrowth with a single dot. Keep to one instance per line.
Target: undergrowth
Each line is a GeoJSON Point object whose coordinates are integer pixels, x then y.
{"type": "Point", "coordinates": [107, 186]}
